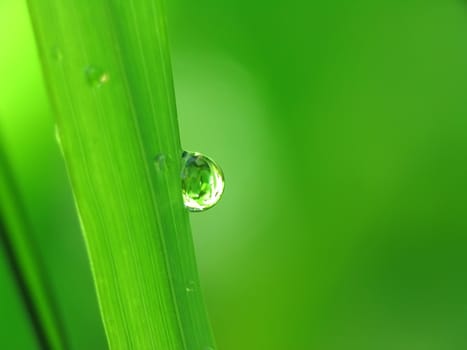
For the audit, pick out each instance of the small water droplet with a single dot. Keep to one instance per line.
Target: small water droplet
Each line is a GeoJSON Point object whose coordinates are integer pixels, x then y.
{"type": "Point", "coordinates": [57, 54]}
{"type": "Point", "coordinates": [95, 76]}
{"type": "Point", "coordinates": [161, 161]}
{"type": "Point", "coordinates": [202, 181]}
{"type": "Point", "coordinates": [190, 287]}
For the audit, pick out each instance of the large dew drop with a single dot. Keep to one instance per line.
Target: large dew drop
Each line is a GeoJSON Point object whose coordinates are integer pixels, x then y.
{"type": "Point", "coordinates": [202, 181]}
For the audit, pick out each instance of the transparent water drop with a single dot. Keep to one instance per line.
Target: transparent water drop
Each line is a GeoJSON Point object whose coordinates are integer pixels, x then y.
{"type": "Point", "coordinates": [57, 54]}
{"type": "Point", "coordinates": [190, 287]}
{"type": "Point", "coordinates": [202, 181]}
{"type": "Point", "coordinates": [161, 161]}
{"type": "Point", "coordinates": [95, 76]}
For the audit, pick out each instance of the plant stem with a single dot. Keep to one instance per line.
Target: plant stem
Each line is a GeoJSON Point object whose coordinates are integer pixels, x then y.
{"type": "Point", "coordinates": [107, 67]}
{"type": "Point", "coordinates": [26, 265]}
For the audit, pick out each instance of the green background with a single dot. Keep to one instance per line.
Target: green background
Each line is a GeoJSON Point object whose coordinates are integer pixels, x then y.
{"type": "Point", "coordinates": [341, 127]}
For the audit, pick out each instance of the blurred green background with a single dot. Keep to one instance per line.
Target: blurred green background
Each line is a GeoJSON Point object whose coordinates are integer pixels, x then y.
{"type": "Point", "coordinates": [342, 130]}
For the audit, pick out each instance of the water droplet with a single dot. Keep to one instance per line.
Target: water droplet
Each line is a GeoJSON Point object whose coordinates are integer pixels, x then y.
{"type": "Point", "coordinates": [57, 54]}
{"type": "Point", "coordinates": [161, 161]}
{"type": "Point", "coordinates": [95, 76]}
{"type": "Point", "coordinates": [190, 287]}
{"type": "Point", "coordinates": [202, 181]}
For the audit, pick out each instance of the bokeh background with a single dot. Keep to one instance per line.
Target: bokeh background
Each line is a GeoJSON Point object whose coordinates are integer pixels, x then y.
{"type": "Point", "coordinates": [342, 130]}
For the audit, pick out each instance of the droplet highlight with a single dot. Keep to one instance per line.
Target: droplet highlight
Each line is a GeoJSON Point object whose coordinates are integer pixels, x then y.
{"type": "Point", "coordinates": [202, 181]}
{"type": "Point", "coordinates": [96, 77]}
{"type": "Point", "coordinates": [58, 138]}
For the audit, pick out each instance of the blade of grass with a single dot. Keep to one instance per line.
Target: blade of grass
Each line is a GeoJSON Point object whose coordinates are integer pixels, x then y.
{"type": "Point", "coordinates": [107, 67]}
{"type": "Point", "coordinates": [26, 265]}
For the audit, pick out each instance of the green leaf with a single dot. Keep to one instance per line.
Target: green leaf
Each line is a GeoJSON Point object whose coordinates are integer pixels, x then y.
{"type": "Point", "coordinates": [26, 264]}
{"type": "Point", "coordinates": [107, 67]}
